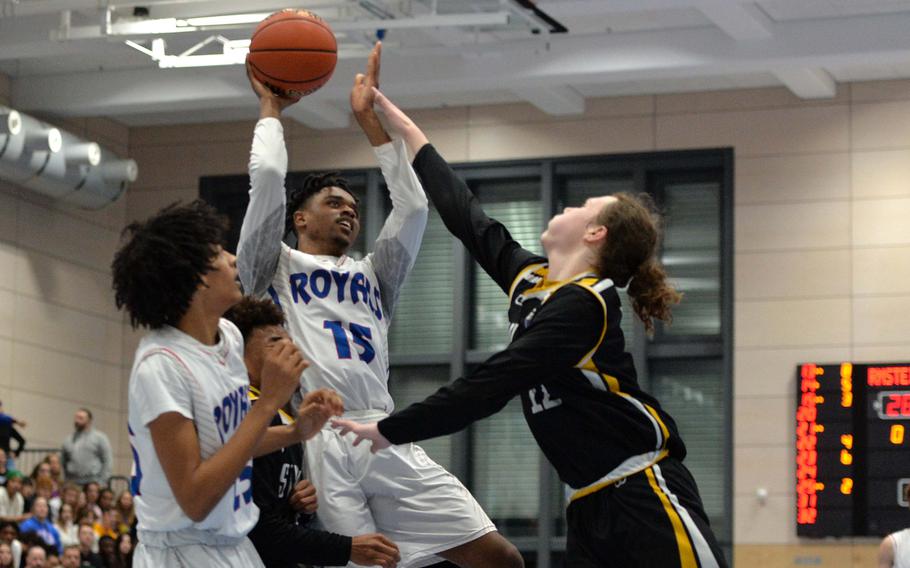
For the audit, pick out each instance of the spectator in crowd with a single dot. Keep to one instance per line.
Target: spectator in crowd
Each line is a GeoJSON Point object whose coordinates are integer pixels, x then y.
{"type": "Point", "coordinates": [44, 487]}
{"type": "Point", "coordinates": [9, 534]}
{"type": "Point", "coordinates": [107, 549]}
{"type": "Point", "coordinates": [66, 525]}
{"type": "Point", "coordinates": [108, 525]}
{"type": "Point", "coordinates": [53, 460]}
{"type": "Point", "coordinates": [28, 492]}
{"type": "Point", "coordinates": [53, 560]}
{"type": "Point", "coordinates": [6, 556]}
{"type": "Point", "coordinates": [125, 550]}
{"type": "Point", "coordinates": [92, 492]}
{"type": "Point", "coordinates": [105, 499]}
{"type": "Point", "coordinates": [71, 557]}
{"type": "Point", "coordinates": [70, 494]}
{"type": "Point", "coordinates": [41, 525]}
{"type": "Point", "coordinates": [8, 432]}
{"type": "Point", "coordinates": [87, 452]}
{"type": "Point", "coordinates": [127, 510]}
{"type": "Point", "coordinates": [36, 557]}
{"type": "Point", "coordinates": [87, 544]}
{"type": "Point", "coordinates": [12, 502]}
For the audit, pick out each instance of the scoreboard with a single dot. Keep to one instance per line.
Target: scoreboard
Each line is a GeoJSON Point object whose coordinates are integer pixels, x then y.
{"type": "Point", "coordinates": [852, 449]}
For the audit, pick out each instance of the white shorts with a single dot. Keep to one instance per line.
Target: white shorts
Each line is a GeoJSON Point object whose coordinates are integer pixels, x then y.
{"type": "Point", "coordinates": [399, 492]}
{"type": "Point", "coordinates": [193, 549]}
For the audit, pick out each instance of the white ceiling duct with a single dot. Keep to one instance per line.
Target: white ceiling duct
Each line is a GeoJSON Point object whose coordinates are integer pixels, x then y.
{"type": "Point", "coordinates": [60, 165]}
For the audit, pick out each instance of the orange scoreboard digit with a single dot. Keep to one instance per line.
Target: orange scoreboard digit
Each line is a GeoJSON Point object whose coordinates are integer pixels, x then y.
{"type": "Point", "coordinates": [851, 462]}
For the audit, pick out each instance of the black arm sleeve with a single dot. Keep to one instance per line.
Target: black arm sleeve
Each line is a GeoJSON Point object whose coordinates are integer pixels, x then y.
{"type": "Point", "coordinates": [15, 435]}
{"type": "Point", "coordinates": [488, 241]}
{"type": "Point", "coordinates": [569, 325]}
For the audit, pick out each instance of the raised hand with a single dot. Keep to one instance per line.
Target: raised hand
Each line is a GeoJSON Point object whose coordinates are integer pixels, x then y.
{"type": "Point", "coordinates": [363, 432]}
{"type": "Point", "coordinates": [303, 499]}
{"type": "Point", "coordinates": [399, 123]}
{"type": "Point", "coordinates": [281, 371]}
{"type": "Point", "coordinates": [271, 102]}
{"type": "Point", "coordinates": [317, 407]}
{"type": "Point", "coordinates": [374, 550]}
{"type": "Point", "coordinates": [362, 91]}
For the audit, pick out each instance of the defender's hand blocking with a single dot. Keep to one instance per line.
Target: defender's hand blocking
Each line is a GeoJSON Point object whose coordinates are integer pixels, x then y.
{"type": "Point", "coordinates": [317, 407]}
{"type": "Point", "coordinates": [363, 432]}
{"type": "Point", "coordinates": [281, 371]}
{"type": "Point", "coordinates": [362, 92]}
{"type": "Point", "coordinates": [374, 550]}
{"type": "Point", "coordinates": [399, 123]}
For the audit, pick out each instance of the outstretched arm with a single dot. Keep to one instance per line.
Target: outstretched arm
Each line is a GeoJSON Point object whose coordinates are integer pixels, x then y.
{"type": "Point", "coordinates": [488, 241]}
{"type": "Point", "coordinates": [565, 331]}
{"type": "Point", "coordinates": [886, 553]}
{"type": "Point", "coordinates": [263, 223]}
{"type": "Point", "coordinates": [399, 241]}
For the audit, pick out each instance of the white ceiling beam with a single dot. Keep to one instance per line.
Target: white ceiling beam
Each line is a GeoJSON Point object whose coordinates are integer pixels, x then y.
{"type": "Point", "coordinates": [739, 21]}
{"type": "Point", "coordinates": [557, 100]}
{"type": "Point", "coordinates": [586, 60]}
{"type": "Point", "coordinates": [808, 83]}
{"type": "Point", "coordinates": [319, 115]}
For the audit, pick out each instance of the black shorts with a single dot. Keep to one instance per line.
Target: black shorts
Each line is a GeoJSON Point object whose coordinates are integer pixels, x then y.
{"type": "Point", "coordinates": [652, 519]}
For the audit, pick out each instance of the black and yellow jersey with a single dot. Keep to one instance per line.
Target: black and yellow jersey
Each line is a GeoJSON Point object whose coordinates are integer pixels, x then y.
{"type": "Point", "coordinates": [566, 358]}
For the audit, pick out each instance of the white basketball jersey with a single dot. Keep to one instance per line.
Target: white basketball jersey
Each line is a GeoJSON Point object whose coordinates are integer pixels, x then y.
{"type": "Point", "coordinates": [337, 309]}
{"type": "Point", "coordinates": [172, 372]}
{"type": "Point", "coordinates": [901, 540]}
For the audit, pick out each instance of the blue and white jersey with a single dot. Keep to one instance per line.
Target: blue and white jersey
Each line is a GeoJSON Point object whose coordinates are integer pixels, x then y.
{"type": "Point", "coordinates": [208, 384]}
{"type": "Point", "coordinates": [338, 309]}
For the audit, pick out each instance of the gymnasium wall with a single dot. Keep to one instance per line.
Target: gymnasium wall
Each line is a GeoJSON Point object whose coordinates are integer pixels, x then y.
{"type": "Point", "coordinates": [60, 336]}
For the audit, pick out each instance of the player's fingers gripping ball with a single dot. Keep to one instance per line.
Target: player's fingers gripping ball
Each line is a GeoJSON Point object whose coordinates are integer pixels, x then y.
{"type": "Point", "coordinates": [294, 52]}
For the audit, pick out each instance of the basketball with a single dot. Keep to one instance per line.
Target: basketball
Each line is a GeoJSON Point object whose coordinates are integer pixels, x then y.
{"type": "Point", "coordinates": [294, 52]}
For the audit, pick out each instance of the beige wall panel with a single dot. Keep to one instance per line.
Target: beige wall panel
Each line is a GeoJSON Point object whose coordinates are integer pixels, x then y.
{"type": "Point", "coordinates": [881, 222]}
{"type": "Point", "coordinates": [67, 331]}
{"type": "Point", "coordinates": [813, 177]}
{"type": "Point", "coordinates": [860, 554]}
{"type": "Point", "coordinates": [65, 237]}
{"type": "Point", "coordinates": [772, 522]}
{"type": "Point", "coordinates": [870, 91]}
{"type": "Point", "coordinates": [739, 99]}
{"type": "Point", "coordinates": [762, 421]}
{"type": "Point", "coordinates": [772, 372]}
{"type": "Point", "coordinates": [885, 173]}
{"type": "Point", "coordinates": [534, 140]}
{"type": "Point", "coordinates": [778, 132]}
{"type": "Point", "coordinates": [517, 113]}
{"type": "Point", "coordinates": [6, 363]}
{"type": "Point", "coordinates": [451, 143]}
{"type": "Point", "coordinates": [131, 338]}
{"type": "Point", "coordinates": [893, 353]}
{"type": "Point", "coordinates": [330, 152]}
{"type": "Point", "coordinates": [209, 135]}
{"type": "Point", "coordinates": [59, 375]}
{"type": "Point", "coordinates": [796, 274]}
{"type": "Point", "coordinates": [9, 256]}
{"type": "Point", "coordinates": [770, 467]}
{"type": "Point", "coordinates": [880, 125]}
{"type": "Point", "coordinates": [143, 204]}
{"type": "Point", "coordinates": [792, 227]}
{"type": "Point", "coordinates": [50, 279]}
{"type": "Point", "coordinates": [883, 270]}
{"type": "Point", "coordinates": [450, 117]}
{"type": "Point", "coordinates": [111, 216]}
{"type": "Point", "coordinates": [788, 323]}
{"type": "Point", "coordinates": [180, 166]}
{"type": "Point", "coordinates": [8, 301]}
{"type": "Point", "coordinates": [881, 320]}
{"type": "Point", "coordinates": [9, 207]}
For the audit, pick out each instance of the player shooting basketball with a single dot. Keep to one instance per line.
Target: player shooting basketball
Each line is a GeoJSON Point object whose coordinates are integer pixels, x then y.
{"type": "Point", "coordinates": [338, 311]}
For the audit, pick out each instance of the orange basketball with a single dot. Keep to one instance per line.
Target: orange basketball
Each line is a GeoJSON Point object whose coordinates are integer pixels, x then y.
{"type": "Point", "coordinates": [293, 51]}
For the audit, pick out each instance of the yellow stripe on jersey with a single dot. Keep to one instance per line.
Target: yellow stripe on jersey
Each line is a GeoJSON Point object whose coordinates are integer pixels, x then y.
{"type": "Point", "coordinates": [254, 395]}
{"type": "Point", "coordinates": [686, 553]}
{"type": "Point", "coordinates": [598, 485]}
{"type": "Point", "coordinates": [524, 272]}
{"type": "Point", "coordinates": [663, 427]}
{"type": "Point", "coordinates": [587, 284]}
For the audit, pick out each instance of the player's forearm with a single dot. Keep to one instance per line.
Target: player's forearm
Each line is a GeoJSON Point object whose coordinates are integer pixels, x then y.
{"type": "Point", "coordinates": [372, 128]}
{"type": "Point", "coordinates": [276, 438]}
{"type": "Point", "coordinates": [213, 477]}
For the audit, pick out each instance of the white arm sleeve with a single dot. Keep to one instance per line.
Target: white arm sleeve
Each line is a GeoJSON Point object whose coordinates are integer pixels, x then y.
{"type": "Point", "coordinates": [399, 241]}
{"type": "Point", "coordinates": [263, 224]}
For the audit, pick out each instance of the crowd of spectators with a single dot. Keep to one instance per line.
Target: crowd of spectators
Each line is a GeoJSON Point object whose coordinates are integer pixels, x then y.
{"type": "Point", "coordinates": [63, 513]}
